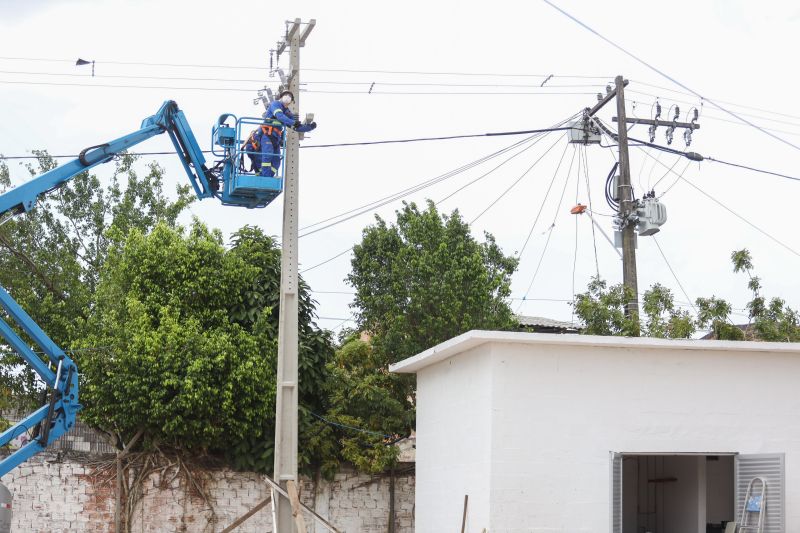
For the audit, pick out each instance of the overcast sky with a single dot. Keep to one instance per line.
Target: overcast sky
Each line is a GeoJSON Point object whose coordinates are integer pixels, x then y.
{"type": "Point", "coordinates": [738, 54]}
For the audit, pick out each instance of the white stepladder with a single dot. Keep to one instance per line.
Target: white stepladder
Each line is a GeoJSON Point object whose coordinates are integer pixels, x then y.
{"type": "Point", "coordinates": [755, 502]}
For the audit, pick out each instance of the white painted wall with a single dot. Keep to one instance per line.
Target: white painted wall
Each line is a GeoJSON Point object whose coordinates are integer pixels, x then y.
{"type": "Point", "coordinates": [453, 434]}
{"type": "Point", "coordinates": [550, 408]}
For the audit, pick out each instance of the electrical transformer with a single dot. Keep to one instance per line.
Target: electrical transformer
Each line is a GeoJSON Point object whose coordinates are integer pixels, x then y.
{"type": "Point", "coordinates": [584, 131]}
{"type": "Point", "coordinates": [651, 215]}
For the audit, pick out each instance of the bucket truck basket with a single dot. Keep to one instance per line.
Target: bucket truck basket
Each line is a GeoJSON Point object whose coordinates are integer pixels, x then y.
{"type": "Point", "coordinates": [242, 183]}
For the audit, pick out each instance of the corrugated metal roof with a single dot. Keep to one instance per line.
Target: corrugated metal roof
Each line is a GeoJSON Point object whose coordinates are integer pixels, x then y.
{"type": "Point", "coordinates": [541, 321]}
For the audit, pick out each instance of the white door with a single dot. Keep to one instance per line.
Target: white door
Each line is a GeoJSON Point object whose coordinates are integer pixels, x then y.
{"type": "Point", "coordinates": [771, 468]}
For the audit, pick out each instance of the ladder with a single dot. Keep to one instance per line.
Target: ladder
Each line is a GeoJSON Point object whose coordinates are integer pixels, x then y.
{"type": "Point", "coordinates": [755, 501]}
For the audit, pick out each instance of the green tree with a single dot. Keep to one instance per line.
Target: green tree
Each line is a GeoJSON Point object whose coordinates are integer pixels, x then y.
{"type": "Point", "coordinates": [50, 257]}
{"type": "Point", "coordinates": [418, 282]}
{"type": "Point", "coordinates": [201, 321]}
{"type": "Point", "coordinates": [425, 279]}
{"type": "Point", "coordinates": [772, 320]}
{"type": "Point", "coordinates": [602, 311]}
{"type": "Point", "coordinates": [172, 362]}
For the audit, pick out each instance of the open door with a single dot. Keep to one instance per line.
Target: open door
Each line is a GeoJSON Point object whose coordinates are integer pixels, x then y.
{"type": "Point", "coordinates": [770, 467]}
{"type": "Point", "coordinates": [616, 492]}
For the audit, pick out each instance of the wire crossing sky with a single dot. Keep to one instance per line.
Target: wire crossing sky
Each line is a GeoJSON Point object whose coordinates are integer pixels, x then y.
{"type": "Point", "coordinates": [402, 120]}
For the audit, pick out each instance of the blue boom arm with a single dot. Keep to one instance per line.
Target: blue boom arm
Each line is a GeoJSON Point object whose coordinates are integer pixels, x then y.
{"type": "Point", "coordinates": [57, 416]}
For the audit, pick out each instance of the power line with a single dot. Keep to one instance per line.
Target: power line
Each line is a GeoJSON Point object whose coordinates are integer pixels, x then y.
{"type": "Point", "coordinates": [448, 84]}
{"type": "Point", "coordinates": [694, 156]}
{"type": "Point", "coordinates": [673, 80]}
{"type": "Point", "coordinates": [325, 262]}
{"type": "Point", "coordinates": [515, 182]}
{"type": "Point", "coordinates": [501, 164]}
{"type": "Point", "coordinates": [546, 195]}
{"type": "Point", "coordinates": [453, 93]}
{"type": "Point", "coordinates": [737, 215]}
{"type": "Point", "coordinates": [483, 74]}
{"type": "Point", "coordinates": [107, 86]}
{"type": "Point", "coordinates": [589, 194]}
{"type": "Point", "coordinates": [723, 101]}
{"type": "Point", "coordinates": [444, 138]}
{"type": "Point", "coordinates": [383, 201]}
{"type": "Point", "coordinates": [391, 198]}
{"type": "Point", "coordinates": [673, 274]}
{"type": "Point", "coordinates": [344, 70]}
{"type": "Point", "coordinates": [314, 91]}
{"type": "Point", "coordinates": [676, 181]}
{"type": "Point", "coordinates": [707, 116]}
{"type": "Point", "coordinates": [337, 145]}
{"type": "Point", "coordinates": [549, 234]}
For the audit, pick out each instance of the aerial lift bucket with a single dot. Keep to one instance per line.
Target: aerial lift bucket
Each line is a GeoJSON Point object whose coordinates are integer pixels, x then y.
{"type": "Point", "coordinates": [240, 185]}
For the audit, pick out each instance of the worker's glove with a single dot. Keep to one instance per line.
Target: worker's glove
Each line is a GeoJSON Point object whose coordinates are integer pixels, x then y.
{"type": "Point", "coordinates": [296, 124]}
{"type": "Point", "coordinates": [303, 128]}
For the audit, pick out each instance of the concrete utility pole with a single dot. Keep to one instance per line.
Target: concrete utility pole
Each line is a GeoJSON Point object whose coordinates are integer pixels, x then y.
{"type": "Point", "coordinates": [288, 340]}
{"type": "Point", "coordinates": [626, 204]}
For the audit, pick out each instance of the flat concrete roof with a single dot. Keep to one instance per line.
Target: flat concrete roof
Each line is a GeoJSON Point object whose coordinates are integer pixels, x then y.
{"type": "Point", "coordinates": [474, 338]}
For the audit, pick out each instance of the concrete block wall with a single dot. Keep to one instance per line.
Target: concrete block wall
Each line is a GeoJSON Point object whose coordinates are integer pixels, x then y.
{"type": "Point", "coordinates": [57, 492]}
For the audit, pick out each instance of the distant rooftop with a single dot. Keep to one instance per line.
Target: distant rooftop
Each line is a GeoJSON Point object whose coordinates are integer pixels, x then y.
{"type": "Point", "coordinates": [541, 324]}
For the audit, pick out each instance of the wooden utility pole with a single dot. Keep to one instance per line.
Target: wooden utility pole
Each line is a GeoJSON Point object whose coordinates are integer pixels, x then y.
{"type": "Point", "coordinates": [288, 339]}
{"type": "Point", "coordinates": [626, 204]}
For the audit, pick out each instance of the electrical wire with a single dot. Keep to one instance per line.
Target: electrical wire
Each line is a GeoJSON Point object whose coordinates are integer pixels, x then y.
{"type": "Point", "coordinates": [261, 67]}
{"type": "Point", "coordinates": [353, 213]}
{"type": "Point", "coordinates": [441, 84]}
{"type": "Point", "coordinates": [673, 80]}
{"type": "Point", "coordinates": [351, 428]}
{"type": "Point", "coordinates": [363, 71]}
{"type": "Point", "coordinates": [453, 93]}
{"type": "Point", "coordinates": [338, 145]}
{"type": "Point", "coordinates": [581, 153]}
{"type": "Point", "coordinates": [325, 262]}
{"type": "Point", "coordinates": [715, 117]}
{"type": "Point", "coordinates": [740, 217]}
{"type": "Point", "coordinates": [718, 100]}
{"type": "Point", "coordinates": [679, 158]}
{"type": "Point", "coordinates": [676, 181]}
{"type": "Point", "coordinates": [737, 215]}
{"type": "Point", "coordinates": [694, 156]}
{"type": "Point", "coordinates": [514, 184]}
{"type": "Point", "coordinates": [385, 200]}
{"type": "Point", "coordinates": [501, 164]}
{"type": "Point", "coordinates": [107, 86]}
{"type": "Point", "coordinates": [546, 195]}
{"type": "Point", "coordinates": [547, 242]}
{"type": "Point", "coordinates": [442, 138]}
{"type": "Point", "coordinates": [673, 274]}
{"type": "Point", "coordinates": [589, 195]}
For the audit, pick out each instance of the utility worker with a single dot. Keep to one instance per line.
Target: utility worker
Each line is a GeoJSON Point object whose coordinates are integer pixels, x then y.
{"type": "Point", "coordinates": [277, 117]}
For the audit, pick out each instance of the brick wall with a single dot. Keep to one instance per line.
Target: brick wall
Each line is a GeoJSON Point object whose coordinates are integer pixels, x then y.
{"type": "Point", "coordinates": [69, 492]}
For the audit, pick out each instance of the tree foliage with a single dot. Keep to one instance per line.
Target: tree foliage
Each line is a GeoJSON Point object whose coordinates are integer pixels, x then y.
{"type": "Point", "coordinates": [418, 281]}
{"type": "Point", "coordinates": [602, 311]}
{"type": "Point", "coordinates": [185, 338]}
{"type": "Point", "coordinates": [425, 279]}
{"type": "Point", "coordinates": [50, 257]}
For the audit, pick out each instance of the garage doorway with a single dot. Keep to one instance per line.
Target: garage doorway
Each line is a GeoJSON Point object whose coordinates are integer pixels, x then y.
{"type": "Point", "coordinates": [680, 493]}
{"type": "Point", "coordinates": [691, 493]}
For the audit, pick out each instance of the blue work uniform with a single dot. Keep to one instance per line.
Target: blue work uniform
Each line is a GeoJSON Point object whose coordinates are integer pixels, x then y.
{"type": "Point", "coordinates": [277, 117]}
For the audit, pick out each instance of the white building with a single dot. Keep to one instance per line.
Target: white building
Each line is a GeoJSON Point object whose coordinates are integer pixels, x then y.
{"type": "Point", "coordinates": [571, 433]}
